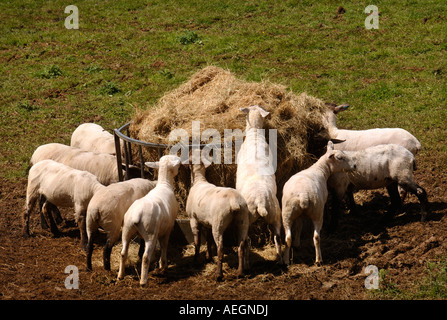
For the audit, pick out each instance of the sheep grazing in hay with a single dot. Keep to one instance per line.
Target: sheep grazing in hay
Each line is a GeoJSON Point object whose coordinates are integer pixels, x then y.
{"type": "Point", "coordinates": [213, 97]}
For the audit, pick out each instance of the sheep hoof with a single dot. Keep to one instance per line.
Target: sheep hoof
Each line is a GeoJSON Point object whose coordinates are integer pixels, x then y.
{"type": "Point", "coordinates": [318, 263]}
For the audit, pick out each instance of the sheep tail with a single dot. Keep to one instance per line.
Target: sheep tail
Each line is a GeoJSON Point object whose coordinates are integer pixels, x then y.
{"type": "Point", "coordinates": [234, 204]}
{"type": "Point", "coordinates": [299, 201]}
{"type": "Point", "coordinates": [262, 208]}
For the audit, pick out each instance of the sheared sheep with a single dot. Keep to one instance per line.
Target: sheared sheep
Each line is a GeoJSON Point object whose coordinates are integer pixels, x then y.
{"type": "Point", "coordinates": [92, 137]}
{"type": "Point", "coordinates": [106, 210]}
{"type": "Point", "coordinates": [216, 207]}
{"type": "Point", "coordinates": [152, 216]}
{"type": "Point", "coordinates": [361, 139]}
{"type": "Point", "coordinates": [381, 166]}
{"type": "Point", "coordinates": [305, 194]}
{"type": "Point", "coordinates": [62, 186]}
{"type": "Point", "coordinates": [255, 175]}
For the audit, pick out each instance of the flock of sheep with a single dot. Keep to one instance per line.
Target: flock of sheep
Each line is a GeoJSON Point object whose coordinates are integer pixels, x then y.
{"type": "Point", "coordinates": [84, 176]}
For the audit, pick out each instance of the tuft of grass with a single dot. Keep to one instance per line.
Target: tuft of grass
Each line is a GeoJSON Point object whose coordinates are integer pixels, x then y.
{"type": "Point", "coordinates": [189, 37]}
{"type": "Point", "coordinates": [110, 88]}
{"type": "Point", "coordinates": [50, 72]}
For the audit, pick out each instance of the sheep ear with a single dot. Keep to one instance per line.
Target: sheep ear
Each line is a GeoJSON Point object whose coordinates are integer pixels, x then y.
{"type": "Point", "coordinates": [153, 165]}
{"type": "Point", "coordinates": [341, 107]}
{"type": "Point", "coordinates": [336, 141]}
{"type": "Point", "coordinates": [330, 146]}
{"type": "Point", "coordinates": [264, 113]}
{"type": "Point", "coordinates": [245, 110]}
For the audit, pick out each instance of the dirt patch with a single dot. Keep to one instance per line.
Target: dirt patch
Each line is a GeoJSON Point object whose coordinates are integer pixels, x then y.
{"type": "Point", "coordinates": [33, 268]}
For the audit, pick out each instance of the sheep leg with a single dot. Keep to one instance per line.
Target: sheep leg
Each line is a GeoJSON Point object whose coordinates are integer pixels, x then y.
{"type": "Point", "coordinates": [241, 256]}
{"type": "Point", "coordinates": [396, 202]}
{"type": "Point", "coordinates": [46, 218]}
{"type": "Point", "coordinates": [81, 221]}
{"type": "Point", "coordinates": [290, 219]}
{"type": "Point", "coordinates": [335, 213]}
{"type": "Point", "coordinates": [107, 253]}
{"type": "Point", "coordinates": [317, 229]}
{"type": "Point", "coordinates": [277, 240]}
{"type": "Point", "coordinates": [164, 241]}
{"type": "Point", "coordinates": [196, 231]}
{"type": "Point", "coordinates": [288, 242]}
{"type": "Point", "coordinates": [31, 199]}
{"type": "Point", "coordinates": [128, 232]}
{"type": "Point", "coordinates": [47, 213]}
{"type": "Point", "coordinates": [209, 245]}
{"type": "Point", "coordinates": [421, 194]}
{"type": "Point", "coordinates": [351, 202]}
{"type": "Point", "coordinates": [147, 255]}
{"type": "Point", "coordinates": [218, 239]}
{"type": "Point", "coordinates": [243, 225]}
{"type": "Point", "coordinates": [90, 250]}
{"type": "Point", "coordinates": [43, 221]}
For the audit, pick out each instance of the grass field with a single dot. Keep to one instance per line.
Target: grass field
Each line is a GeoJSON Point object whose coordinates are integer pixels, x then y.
{"type": "Point", "coordinates": [127, 54]}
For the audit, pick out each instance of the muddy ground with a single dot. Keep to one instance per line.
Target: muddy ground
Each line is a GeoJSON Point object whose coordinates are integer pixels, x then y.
{"type": "Point", "coordinates": [33, 268]}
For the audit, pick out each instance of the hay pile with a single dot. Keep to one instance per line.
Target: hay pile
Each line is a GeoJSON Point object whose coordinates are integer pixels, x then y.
{"type": "Point", "coordinates": [214, 97]}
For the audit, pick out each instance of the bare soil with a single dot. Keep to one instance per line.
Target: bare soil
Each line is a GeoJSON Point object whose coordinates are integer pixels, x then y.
{"type": "Point", "coordinates": [33, 268]}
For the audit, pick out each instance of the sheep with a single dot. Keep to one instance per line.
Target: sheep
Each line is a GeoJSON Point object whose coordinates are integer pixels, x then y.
{"type": "Point", "coordinates": [152, 217]}
{"type": "Point", "coordinates": [255, 175]}
{"type": "Point", "coordinates": [61, 186]}
{"type": "Point", "coordinates": [360, 139]}
{"type": "Point", "coordinates": [93, 137]}
{"type": "Point", "coordinates": [305, 194]}
{"type": "Point", "coordinates": [102, 165]}
{"type": "Point", "coordinates": [216, 207]}
{"type": "Point", "coordinates": [381, 166]}
{"type": "Point", "coordinates": [106, 210]}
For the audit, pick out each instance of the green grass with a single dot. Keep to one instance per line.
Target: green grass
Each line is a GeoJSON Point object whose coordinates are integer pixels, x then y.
{"type": "Point", "coordinates": [127, 54]}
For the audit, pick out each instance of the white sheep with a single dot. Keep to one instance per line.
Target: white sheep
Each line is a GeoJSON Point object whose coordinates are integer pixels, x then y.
{"type": "Point", "coordinates": [305, 194]}
{"type": "Point", "coordinates": [106, 211]}
{"type": "Point", "coordinates": [93, 137]}
{"type": "Point", "coordinates": [61, 186]}
{"type": "Point", "coordinates": [216, 208]}
{"type": "Point", "coordinates": [255, 175]}
{"type": "Point", "coordinates": [381, 166]}
{"type": "Point", "coordinates": [102, 165]}
{"type": "Point", "coordinates": [360, 139]}
{"type": "Point", "coordinates": [152, 217]}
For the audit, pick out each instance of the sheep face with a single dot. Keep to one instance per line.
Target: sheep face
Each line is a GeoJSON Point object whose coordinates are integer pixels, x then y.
{"type": "Point", "coordinates": [255, 116]}
{"type": "Point", "coordinates": [339, 161]}
{"type": "Point", "coordinates": [171, 162]}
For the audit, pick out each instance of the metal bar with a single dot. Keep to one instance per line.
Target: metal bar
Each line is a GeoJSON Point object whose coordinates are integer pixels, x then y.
{"type": "Point", "coordinates": [126, 158]}
{"type": "Point", "coordinates": [129, 147]}
{"type": "Point", "coordinates": [118, 156]}
{"type": "Point", "coordinates": [140, 150]}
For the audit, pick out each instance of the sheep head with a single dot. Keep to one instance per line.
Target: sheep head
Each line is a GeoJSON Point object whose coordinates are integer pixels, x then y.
{"type": "Point", "coordinates": [255, 116]}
